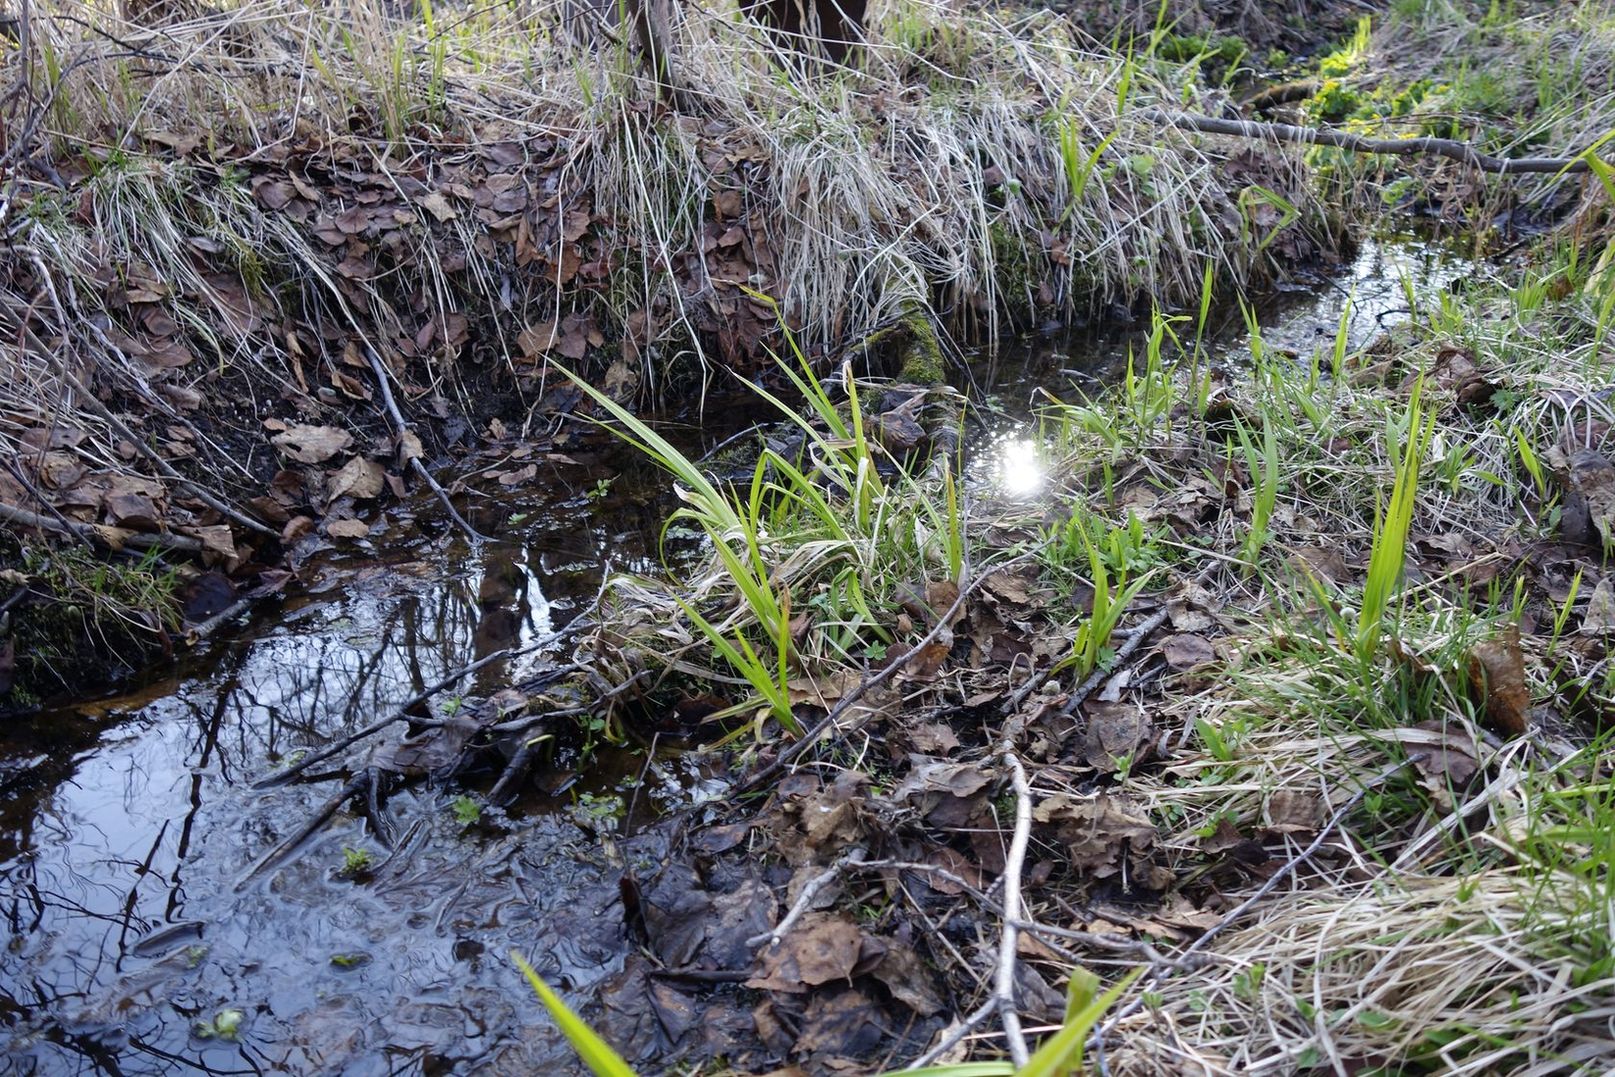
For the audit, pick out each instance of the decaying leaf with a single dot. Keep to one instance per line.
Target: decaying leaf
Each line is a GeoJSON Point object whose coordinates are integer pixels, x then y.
{"type": "Point", "coordinates": [1599, 620]}
{"type": "Point", "coordinates": [1098, 829]}
{"type": "Point", "coordinates": [347, 529]}
{"type": "Point", "coordinates": [819, 949]}
{"type": "Point", "coordinates": [1116, 733]}
{"type": "Point", "coordinates": [359, 479]}
{"type": "Point", "coordinates": [1185, 650]}
{"type": "Point", "coordinates": [1445, 754]}
{"type": "Point", "coordinates": [312, 444]}
{"type": "Point", "coordinates": [1588, 517]}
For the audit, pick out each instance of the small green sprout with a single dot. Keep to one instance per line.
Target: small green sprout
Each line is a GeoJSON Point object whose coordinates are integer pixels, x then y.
{"type": "Point", "coordinates": [226, 1025]}
{"type": "Point", "coordinates": [467, 812]}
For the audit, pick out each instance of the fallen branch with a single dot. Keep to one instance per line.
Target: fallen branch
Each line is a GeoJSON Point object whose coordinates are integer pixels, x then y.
{"type": "Point", "coordinates": [139, 540]}
{"type": "Point", "coordinates": [400, 430]}
{"type": "Point", "coordinates": [401, 713]}
{"type": "Point", "coordinates": [1425, 146]}
{"type": "Point", "coordinates": [1124, 652]}
{"type": "Point", "coordinates": [1009, 938]}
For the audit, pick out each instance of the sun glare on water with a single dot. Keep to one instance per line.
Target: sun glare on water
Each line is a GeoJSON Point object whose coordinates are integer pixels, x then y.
{"type": "Point", "coordinates": [1020, 468]}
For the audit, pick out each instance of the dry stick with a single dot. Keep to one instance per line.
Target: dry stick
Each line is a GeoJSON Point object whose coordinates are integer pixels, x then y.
{"type": "Point", "coordinates": [401, 713]}
{"type": "Point", "coordinates": [1004, 982]}
{"type": "Point", "coordinates": [1401, 147]}
{"type": "Point", "coordinates": [400, 428]}
{"type": "Point", "coordinates": [1179, 961]}
{"type": "Point", "coordinates": [90, 533]}
{"type": "Point", "coordinates": [1125, 651]}
{"type": "Point", "coordinates": [805, 898]}
{"type": "Point", "coordinates": [1135, 637]}
{"type": "Point", "coordinates": [959, 1032]}
{"type": "Point", "coordinates": [790, 752]}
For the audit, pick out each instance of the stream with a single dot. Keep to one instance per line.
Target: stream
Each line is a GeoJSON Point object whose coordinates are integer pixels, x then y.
{"type": "Point", "coordinates": [139, 942]}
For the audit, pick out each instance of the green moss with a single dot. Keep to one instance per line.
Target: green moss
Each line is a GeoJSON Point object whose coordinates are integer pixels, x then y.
{"type": "Point", "coordinates": [922, 353]}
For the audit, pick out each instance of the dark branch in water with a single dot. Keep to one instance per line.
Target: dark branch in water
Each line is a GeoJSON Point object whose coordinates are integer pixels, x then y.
{"type": "Point", "coordinates": [400, 430]}
{"type": "Point", "coordinates": [1401, 147]}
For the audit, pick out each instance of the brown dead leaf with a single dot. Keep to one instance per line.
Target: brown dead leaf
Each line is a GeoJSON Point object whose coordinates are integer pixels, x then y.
{"type": "Point", "coordinates": [910, 982]}
{"type": "Point", "coordinates": [1497, 675]}
{"type": "Point", "coordinates": [312, 444]}
{"type": "Point", "coordinates": [216, 538]}
{"type": "Point", "coordinates": [821, 948]}
{"type": "Point", "coordinates": [1588, 517]}
{"type": "Point", "coordinates": [1116, 732]}
{"type": "Point", "coordinates": [347, 529]}
{"type": "Point", "coordinates": [925, 663]}
{"type": "Point", "coordinates": [359, 479]}
{"type": "Point", "coordinates": [1599, 620]}
{"type": "Point", "coordinates": [1185, 650]}
{"type": "Point", "coordinates": [1445, 754]}
{"type": "Point", "coordinates": [1290, 811]}
{"type": "Point", "coordinates": [1098, 829]}
{"type": "Point", "coordinates": [438, 206]}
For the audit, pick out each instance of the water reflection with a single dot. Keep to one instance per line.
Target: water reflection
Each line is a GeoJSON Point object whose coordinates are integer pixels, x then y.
{"type": "Point", "coordinates": [1365, 298]}
{"type": "Point", "coordinates": [126, 827]}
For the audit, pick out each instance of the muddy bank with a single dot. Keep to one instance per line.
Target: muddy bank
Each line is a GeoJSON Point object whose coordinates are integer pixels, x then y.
{"type": "Point", "coordinates": [367, 269]}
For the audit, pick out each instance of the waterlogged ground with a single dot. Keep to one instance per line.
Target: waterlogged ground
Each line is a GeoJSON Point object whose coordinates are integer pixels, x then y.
{"type": "Point", "coordinates": [139, 939]}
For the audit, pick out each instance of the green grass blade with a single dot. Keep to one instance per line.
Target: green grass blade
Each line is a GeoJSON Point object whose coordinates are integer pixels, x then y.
{"type": "Point", "coordinates": [595, 1052]}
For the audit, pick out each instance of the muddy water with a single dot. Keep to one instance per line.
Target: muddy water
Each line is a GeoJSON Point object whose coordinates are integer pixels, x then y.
{"type": "Point", "coordinates": [128, 826]}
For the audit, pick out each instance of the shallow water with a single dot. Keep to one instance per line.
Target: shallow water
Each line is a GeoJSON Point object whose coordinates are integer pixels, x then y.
{"type": "Point", "coordinates": [128, 826]}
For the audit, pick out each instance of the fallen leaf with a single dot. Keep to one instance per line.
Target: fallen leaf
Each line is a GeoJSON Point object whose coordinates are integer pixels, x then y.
{"type": "Point", "coordinates": [1445, 754]}
{"type": "Point", "coordinates": [1290, 811]}
{"type": "Point", "coordinates": [347, 529]}
{"type": "Point", "coordinates": [312, 444]}
{"type": "Point", "coordinates": [1497, 675]}
{"type": "Point", "coordinates": [359, 479]}
{"type": "Point", "coordinates": [1115, 732]}
{"type": "Point", "coordinates": [1588, 516]}
{"type": "Point", "coordinates": [1599, 620]}
{"type": "Point", "coordinates": [438, 206]}
{"type": "Point", "coordinates": [819, 949]}
{"type": "Point", "coordinates": [1185, 650]}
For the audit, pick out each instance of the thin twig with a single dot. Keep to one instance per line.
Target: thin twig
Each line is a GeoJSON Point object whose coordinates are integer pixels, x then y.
{"type": "Point", "coordinates": [1009, 938]}
{"type": "Point", "coordinates": [960, 1031]}
{"type": "Point", "coordinates": [400, 428]}
{"type": "Point", "coordinates": [805, 899]}
{"type": "Point", "coordinates": [1124, 652]}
